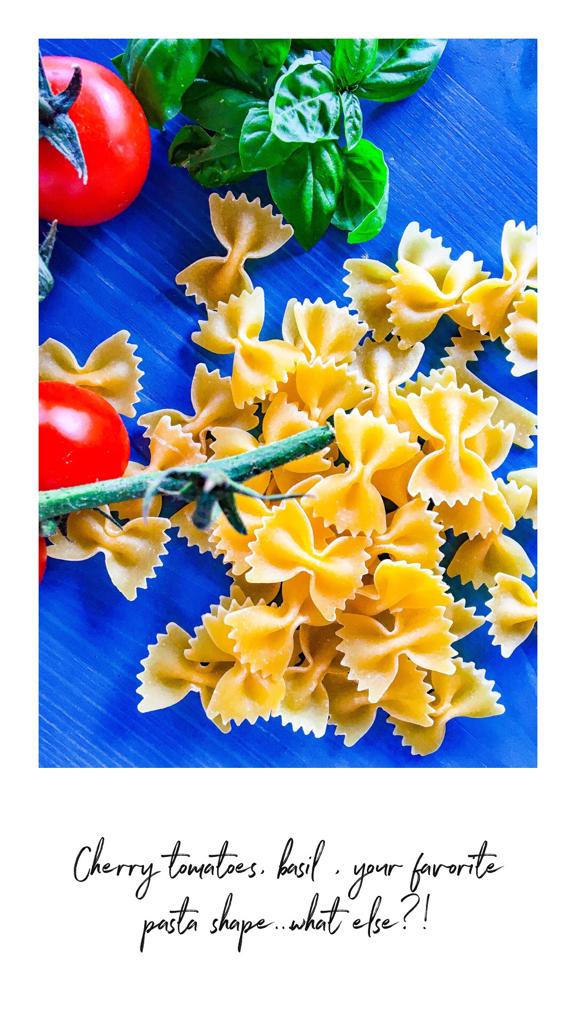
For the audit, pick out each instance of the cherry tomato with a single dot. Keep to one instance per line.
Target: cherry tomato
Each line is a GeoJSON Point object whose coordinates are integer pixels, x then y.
{"type": "Point", "coordinates": [42, 558]}
{"type": "Point", "coordinates": [82, 438]}
{"type": "Point", "coordinates": [115, 139]}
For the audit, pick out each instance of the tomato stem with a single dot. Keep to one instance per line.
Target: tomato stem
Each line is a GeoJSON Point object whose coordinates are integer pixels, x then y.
{"type": "Point", "coordinates": [216, 478]}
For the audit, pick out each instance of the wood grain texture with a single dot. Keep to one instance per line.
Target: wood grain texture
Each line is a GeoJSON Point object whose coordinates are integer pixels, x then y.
{"type": "Point", "coordinates": [462, 161]}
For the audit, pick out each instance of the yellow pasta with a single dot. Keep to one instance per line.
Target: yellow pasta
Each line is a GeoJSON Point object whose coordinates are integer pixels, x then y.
{"type": "Point", "coordinates": [513, 612]}
{"type": "Point", "coordinates": [408, 698]}
{"type": "Point", "coordinates": [464, 694]}
{"type": "Point", "coordinates": [132, 552]}
{"type": "Point", "coordinates": [322, 330]}
{"type": "Point", "coordinates": [351, 500]}
{"type": "Point", "coordinates": [247, 231]}
{"type": "Point", "coordinates": [286, 547]}
{"type": "Point", "coordinates": [339, 603]}
{"type": "Point", "coordinates": [462, 351]}
{"type": "Point", "coordinates": [111, 370]}
{"type": "Point", "coordinates": [522, 478]}
{"type": "Point", "coordinates": [259, 366]}
{"type": "Point", "coordinates": [489, 302]}
{"type": "Point", "coordinates": [213, 405]}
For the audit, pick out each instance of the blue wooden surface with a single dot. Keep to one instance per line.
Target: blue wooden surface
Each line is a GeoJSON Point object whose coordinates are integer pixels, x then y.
{"type": "Point", "coordinates": [462, 161]}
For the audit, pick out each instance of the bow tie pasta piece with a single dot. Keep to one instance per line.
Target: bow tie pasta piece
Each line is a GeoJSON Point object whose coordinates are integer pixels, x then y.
{"type": "Point", "coordinates": [259, 366]}
{"type": "Point", "coordinates": [239, 695]}
{"type": "Point", "coordinates": [418, 299]}
{"type": "Point", "coordinates": [513, 612]}
{"type": "Point", "coordinates": [408, 698]}
{"type": "Point", "coordinates": [479, 560]}
{"type": "Point", "coordinates": [229, 441]}
{"type": "Point", "coordinates": [131, 552]}
{"type": "Point", "coordinates": [263, 635]}
{"type": "Point", "coordinates": [413, 535]}
{"type": "Point", "coordinates": [450, 418]}
{"type": "Point", "coordinates": [228, 542]}
{"type": "Point", "coordinates": [213, 405]}
{"type": "Point", "coordinates": [463, 618]}
{"type": "Point", "coordinates": [400, 585]}
{"type": "Point", "coordinates": [491, 513]}
{"type": "Point", "coordinates": [167, 676]}
{"type": "Point", "coordinates": [458, 355]}
{"type": "Point", "coordinates": [170, 446]}
{"type": "Point", "coordinates": [404, 612]}
{"type": "Point", "coordinates": [465, 694]}
{"type": "Point", "coordinates": [284, 419]}
{"type": "Point", "coordinates": [351, 500]}
{"type": "Point", "coordinates": [489, 302]}
{"type": "Point", "coordinates": [322, 387]}
{"type": "Point", "coordinates": [247, 231]}
{"type": "Point", "coordinates": [111, 370]}
{"type": "Point", "coordinates": [322, 330]}
{"type": "Point", "coordinates": [385, 366]}
{"type": "Point", "coordinates": [305, 703]}
{"type": "Point", "coordinates": [527, 478]}
{"type": "Point", "coordinates": [286, 547]}
{"type": "Point", "coordinates": [368, 285]}
{"type": "Point", "coordinates": [521, 335]}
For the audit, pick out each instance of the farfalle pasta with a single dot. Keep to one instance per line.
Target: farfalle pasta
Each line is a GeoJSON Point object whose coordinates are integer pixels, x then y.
{"type": "Point", "coordinates": [111, 370]}
{"type": "Point", "coordinates": [259, 366]}
{"type": "Point", "coordinates": [521, 335]}
{"type": "Point", "coordinates": [340, 602]}
{"type": "Point", "coordinates": [489, 302]}
{"type": "Point", "coordinates": [132, 552]}
{"type": "Point", "coordinates": [513, 612]}
{"type": "Point", "coordinates": [409, 301]}
{"type": "Point", "coordinates": [247, 230]}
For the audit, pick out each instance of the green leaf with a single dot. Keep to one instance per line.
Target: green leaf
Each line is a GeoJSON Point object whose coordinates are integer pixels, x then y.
{"type": "Point", "coordinates": [219, 108]}
{"type": "Point", "coordinates": [210, 158]}
{"type": "Point", "coordinates": [305, 187]}
{"type": "Point", "coordinates": [259, 147]}
{"type": "Point", "coordinates": [261, 58]}
{"type": "Point", "coordinates": [353, 60]}
{"type": "Point", "coordinates": [352, 112]}
{"type": "Point", "coordinates": [402, 66]}
{"type": "Point", "coordinates": [219, 68]}
{"type": "Point", "coordinates": [363, 201]}
{"type": "Point", "coordinates": [299, 45]}
{"type": "Point", "coordinates": [305, 106]}
{"type": "Point", "coordinates": [158, 71]}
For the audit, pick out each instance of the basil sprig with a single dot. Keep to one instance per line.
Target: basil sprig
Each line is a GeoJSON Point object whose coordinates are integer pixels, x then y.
{"type": "Point", "coordinates": [288, 107]}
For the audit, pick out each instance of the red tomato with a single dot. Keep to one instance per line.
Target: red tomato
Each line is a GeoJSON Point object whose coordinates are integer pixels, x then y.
{"type": "Point", "coordinates": [82, 438]}
{"type": "Point", "coordinates": [115, 138]}
{"type": "Point", "coordinates": [42, 558]}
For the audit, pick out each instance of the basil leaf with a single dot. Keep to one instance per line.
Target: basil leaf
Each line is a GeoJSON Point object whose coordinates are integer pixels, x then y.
{"type": "Point", "coordinates": [299, 45]}
{"type": "Point", "coordinates": [210, 158]}
{"type": "Point", "coordinates": [261, 58]}
{"type": "Point", "coordinates": [219, 68]}
{"type": "Point", "coordinates": [352, 112]}
{"type": "Point", "coordinates": [305, 187]}
{"type": "Point", "coordinates": [259, 147]}
{"type": "Point", "coordinates": [363, 201]}
{"type": "Point", "coordinates": [158, 71]}
{"type": "Point", "coordinates": [219, 108]}
{"type": "Point", "coordinates": [305, 106]}
{"type": "Point", "coordinates": [402, 66]}
{"type": "Point", "coordinates": [353, 60]}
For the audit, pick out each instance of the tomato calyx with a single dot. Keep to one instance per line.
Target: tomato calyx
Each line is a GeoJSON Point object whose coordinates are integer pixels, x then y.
{"type": "Point", "coordinates": [55, 125]}
{"type": "Point", "coordinates": [45, 276]}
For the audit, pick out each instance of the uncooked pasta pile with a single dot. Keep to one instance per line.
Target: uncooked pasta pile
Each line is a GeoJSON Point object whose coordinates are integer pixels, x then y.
{"type": "Point", "coordinates": [339, 604]}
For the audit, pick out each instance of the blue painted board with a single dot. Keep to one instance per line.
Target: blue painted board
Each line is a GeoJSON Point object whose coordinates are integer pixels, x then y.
{"type": "Point", "coordinates": [462, 157]}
